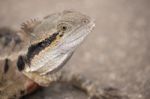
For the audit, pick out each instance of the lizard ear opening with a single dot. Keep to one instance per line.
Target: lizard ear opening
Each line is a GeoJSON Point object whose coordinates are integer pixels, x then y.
{"type": "Point", "coordinates": [29, 25]}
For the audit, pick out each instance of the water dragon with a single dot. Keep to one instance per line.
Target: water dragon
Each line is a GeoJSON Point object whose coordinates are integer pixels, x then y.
{"type": "Point", "coordinates": [35, 55]}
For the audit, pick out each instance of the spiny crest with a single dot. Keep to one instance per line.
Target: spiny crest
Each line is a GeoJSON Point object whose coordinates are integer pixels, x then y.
{"type": "Point", "coordinates": [29, 25]}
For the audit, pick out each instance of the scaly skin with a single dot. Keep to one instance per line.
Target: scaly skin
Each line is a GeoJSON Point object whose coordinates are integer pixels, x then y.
{"type": "Point", "coordinates": [35, 55]}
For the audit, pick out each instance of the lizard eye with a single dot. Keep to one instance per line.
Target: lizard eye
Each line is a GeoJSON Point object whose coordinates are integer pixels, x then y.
{"type": "Point", "coordinates": [64, 27]}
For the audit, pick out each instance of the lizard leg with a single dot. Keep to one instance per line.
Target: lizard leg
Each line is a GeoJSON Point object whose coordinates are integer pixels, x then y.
{"type": "Point", "coordinates": [90, 87]}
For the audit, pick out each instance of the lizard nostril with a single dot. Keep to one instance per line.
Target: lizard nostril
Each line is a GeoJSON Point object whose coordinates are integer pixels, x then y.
{"type": "Point", "coordinates": [85, 21]}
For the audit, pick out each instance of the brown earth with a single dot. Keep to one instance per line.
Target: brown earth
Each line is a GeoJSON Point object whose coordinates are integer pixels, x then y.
{"type": "Point", "coordinates": [115, 54]}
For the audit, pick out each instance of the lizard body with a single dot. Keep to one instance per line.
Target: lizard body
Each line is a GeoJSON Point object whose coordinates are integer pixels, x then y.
{"type": "Point", "coordinates": [35, 55]}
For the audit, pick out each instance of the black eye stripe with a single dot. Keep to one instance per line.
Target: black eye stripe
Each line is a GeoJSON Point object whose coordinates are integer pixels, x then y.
{"type": "Point", "coordinates": [36, 48]}
{"type": "Point", "coordinates": [61, 35]}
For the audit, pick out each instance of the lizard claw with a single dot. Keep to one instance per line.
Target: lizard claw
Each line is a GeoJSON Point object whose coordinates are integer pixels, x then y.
{"type": "Point", "coordinates": [108, 93]}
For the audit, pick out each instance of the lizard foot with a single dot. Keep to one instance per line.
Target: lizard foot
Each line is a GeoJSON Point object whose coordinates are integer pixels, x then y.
{"type": "Point", "coordinates": [91, 89]}
{"type": "Point", "coordinates": [108, 93]}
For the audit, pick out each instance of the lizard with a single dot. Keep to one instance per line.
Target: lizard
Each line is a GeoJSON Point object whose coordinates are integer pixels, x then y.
{"type": "Point", "coordinates": [35, 55]}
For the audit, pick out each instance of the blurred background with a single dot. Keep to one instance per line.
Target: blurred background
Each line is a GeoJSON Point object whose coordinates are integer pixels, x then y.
{"type": "Point", "coordinates": [116, 54]}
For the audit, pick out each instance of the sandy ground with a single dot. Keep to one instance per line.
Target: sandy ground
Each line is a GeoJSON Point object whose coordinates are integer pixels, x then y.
{"type": "Point", "coordinates": [115, 54]}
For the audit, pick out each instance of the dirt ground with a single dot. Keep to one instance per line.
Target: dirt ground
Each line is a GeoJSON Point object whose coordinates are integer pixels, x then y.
{"type": "Point", "coordinates": [116, 54]}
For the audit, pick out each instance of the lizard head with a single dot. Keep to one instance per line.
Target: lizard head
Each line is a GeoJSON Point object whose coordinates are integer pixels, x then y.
{"type": "Point", "coordinates": [54, 39]}
{"type": "Point", "coordinates": [71, 26]}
